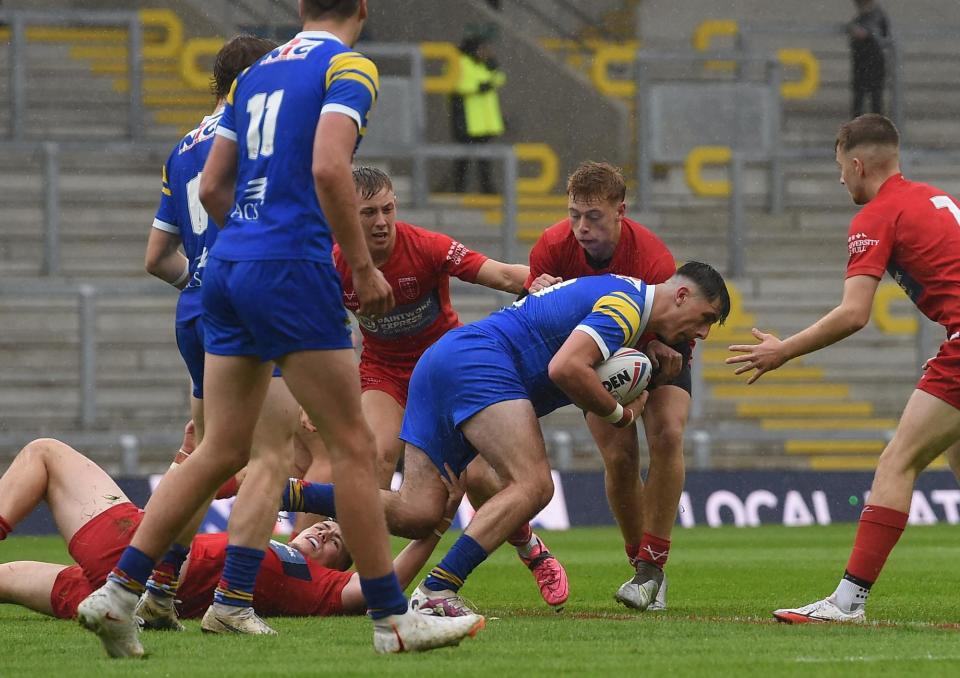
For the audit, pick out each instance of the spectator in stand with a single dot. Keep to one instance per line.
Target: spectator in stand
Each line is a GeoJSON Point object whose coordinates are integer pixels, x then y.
{"type": "Point", "coordinates": [868, 32]}
{"type": "Point", "coordinates": [475, 105]}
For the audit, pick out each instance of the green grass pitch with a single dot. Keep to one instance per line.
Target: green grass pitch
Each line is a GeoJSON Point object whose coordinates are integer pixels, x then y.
{"type": "Point", "coordinates": [723, 585]}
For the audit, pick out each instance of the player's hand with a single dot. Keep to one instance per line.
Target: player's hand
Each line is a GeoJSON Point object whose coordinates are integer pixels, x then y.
{"type": "Point", "coordinates": [633, 410]}
{"type": "Point", "coordinates": [305, 421]}
{"type": "Point", "coordinates": [373, 292]}
{"type": "Point", "coordinates": [666, 361]}
{"type": "Point", "coordinates": [188, 445]}
{"type": "Point", "coordinates": [543, 281]}
{"type": "Point", "coordinates": [455, 491]}
{"type": "Point", "coordinates": [763, 357]}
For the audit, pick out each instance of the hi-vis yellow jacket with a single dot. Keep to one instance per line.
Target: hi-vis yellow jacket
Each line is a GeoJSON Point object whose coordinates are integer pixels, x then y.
{"type": "Point", "coordinates": [478, 85]}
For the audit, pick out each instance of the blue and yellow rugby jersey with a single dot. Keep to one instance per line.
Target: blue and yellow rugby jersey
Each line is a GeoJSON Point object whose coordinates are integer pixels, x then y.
{"type": "Point", "coordinates": [612, 309]}
{"type": "Point", "coordinates": [181, 213]}
{"type": "Point", "coordinates": [272, 113]}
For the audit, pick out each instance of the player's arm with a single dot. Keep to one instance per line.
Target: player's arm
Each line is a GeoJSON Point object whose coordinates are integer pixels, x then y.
{"type": "Point", "coordinates": [164, 258]}
{"type": "Point", "coordinates": [414, 556]}
{"type": "Point", "coordinates": [219, 179]}
{"type": "Point", "coordinates": [333, 144]}
{"type": "Point", "coordinates": [571, 369]}
{"type": "Point", "coordinates": [849, 317]}
{"type": "Point", "coordinates": [504, 277]}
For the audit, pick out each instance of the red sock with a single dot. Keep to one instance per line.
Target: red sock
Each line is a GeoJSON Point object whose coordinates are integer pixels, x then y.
{"type": "Point", "coordinates": [654, 550]}
{"type": "Point", "coordinates": [633, 552]}
{"type": "Point", "coordinates": [522, 536]}
{"type": "Point", "coordinates": [877, 534]}
{"type": "Point", "coordinates": [5, 528]}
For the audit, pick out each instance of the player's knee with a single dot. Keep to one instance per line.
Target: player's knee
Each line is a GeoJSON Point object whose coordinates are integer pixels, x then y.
{"type": "Point", "coordinates": [539, 490]}
{"type": "Point", "coordinates": [41, 450]}
{"type": "Point", "coordinates": [666, 441]}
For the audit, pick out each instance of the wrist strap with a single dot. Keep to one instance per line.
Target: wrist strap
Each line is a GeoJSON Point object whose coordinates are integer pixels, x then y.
{"type": "Point", "coordinates": [626, 421]}
{"type": "Point", "coordinates": [614, 416]}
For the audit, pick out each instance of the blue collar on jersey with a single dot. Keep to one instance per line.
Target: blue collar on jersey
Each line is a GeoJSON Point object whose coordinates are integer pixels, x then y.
{"type": "Point", "coordinates": [318, 35]}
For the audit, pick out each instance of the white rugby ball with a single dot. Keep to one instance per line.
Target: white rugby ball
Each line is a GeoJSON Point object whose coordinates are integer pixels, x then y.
{"type": "Point", "coordinates": [625, 374]}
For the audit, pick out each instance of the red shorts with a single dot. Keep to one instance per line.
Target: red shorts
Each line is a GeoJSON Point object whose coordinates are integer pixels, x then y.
{"type": "Point", "coordinates": [96, 548]}
{"type": "Point", "coordinates": [394, 381]}
{"type": "Point", "coordinates": [941, 378]}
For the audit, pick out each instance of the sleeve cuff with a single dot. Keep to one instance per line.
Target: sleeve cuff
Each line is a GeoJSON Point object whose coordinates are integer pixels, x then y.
{"type": "Point", "coordinates": [226, 133]}
{"type": "Point", "coordinates": [164, 226]}
{"type": "Point", "coordinates": [345, 110]}
{"type": "Point", "coordinates": [592, 333]}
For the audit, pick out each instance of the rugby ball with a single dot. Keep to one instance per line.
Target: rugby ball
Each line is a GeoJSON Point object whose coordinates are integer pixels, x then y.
{"type": "Point", "coordinates": [625, 374]}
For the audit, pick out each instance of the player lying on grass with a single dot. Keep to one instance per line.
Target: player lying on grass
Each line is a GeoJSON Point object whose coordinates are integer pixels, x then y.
{"type": "Point", "coordinates": [307, 577]}
{"type": "Point", "coordinates": [481, 388]}
{"type": "Point", "coordinates": [912, 231]}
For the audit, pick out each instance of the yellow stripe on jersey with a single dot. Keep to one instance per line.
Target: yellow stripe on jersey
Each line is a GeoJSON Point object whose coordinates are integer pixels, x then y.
{"type": "Point", "coordinates": [354, 66]}
{"type": "Point", "coordinates": [165, 189]}
{"type": "Point", "coordinates": [624, 312]}
{"type": "Point", "coordinates": [233, 90]}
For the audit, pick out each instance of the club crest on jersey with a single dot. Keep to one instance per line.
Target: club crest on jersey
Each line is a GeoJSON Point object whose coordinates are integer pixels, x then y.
{"type": "Point", "coordinates": [410, 287]}
{"type": "Point", "coordinates": [204, 132]}
{"type": "Point", "coordinates": [295, 49]}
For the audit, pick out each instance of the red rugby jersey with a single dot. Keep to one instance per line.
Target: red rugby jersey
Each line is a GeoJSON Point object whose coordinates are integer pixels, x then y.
{"type": "Point", "coordinates": [639, 254]}
{"type": "Point", "coordinates": [289, 584]}
{"type": "Point", "coordinates": [419, 271]}
{"type": "Point", "coordinates": [912, 231]}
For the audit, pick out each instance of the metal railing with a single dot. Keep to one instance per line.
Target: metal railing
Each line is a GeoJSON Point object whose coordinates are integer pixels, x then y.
{"type": "Point", "coordinates": [18, 21]}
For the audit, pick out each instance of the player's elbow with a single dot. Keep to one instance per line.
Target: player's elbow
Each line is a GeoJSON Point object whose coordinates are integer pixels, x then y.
{"type": "Point", "coordinates": [326, 170]}
{"type": "Point", "coordinates": [561, 372]}
{"type": "Point", "coordinates": [857, 318]}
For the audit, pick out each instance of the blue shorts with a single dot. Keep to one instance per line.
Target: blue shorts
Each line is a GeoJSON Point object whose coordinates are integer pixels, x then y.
{"type": "Point", "coordinates": [190, 343]}
{"type": "Point", "coordinates": [463, 373]}
{"type": "Point", "coordinates": [270, 309]}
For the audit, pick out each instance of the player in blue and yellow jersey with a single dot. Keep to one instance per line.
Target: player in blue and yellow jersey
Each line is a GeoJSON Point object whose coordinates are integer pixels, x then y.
{"type": "Point", "coordinates": [279, 178]}
{"type": "Point", "coordinates": [503, 373]}
{"type": "Point", "coordinates": [181, 219]}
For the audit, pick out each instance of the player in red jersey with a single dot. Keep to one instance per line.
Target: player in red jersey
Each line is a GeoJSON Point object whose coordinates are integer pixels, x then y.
{"type": "Point", "coordinates": [306, 577]}
{"type": "Point", "coordinates": [417, 264]}
{"type": "Point", "coordinates": [912, 231]}
{"type": "Point", "coordinates": [597, 238]}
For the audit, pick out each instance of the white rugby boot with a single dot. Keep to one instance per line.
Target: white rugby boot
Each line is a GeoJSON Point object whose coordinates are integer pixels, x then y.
{"type": "Point", "coordinates": [415, 632]}
{"type": "Point", "coordinates": [446, 603]}
{"type": "Point", "coordinates": [157, 614]}
{"type": "Point", "coordinates": [822, 611]}
{"type": "Point", "coordinates": [108, 612]}
{"type": "Point", "coordinates": [640, 592]}
{"type": "Point", "coordinates": [221, 618]}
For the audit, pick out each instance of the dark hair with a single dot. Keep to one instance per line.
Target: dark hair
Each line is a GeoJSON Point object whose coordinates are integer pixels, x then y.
{"type": "Point", "coordinates": [595, 181]}
{"type": "Point", "coordinates": [870, 128]}
{"type": "Point", "coordinates": [710, 282]}
{"type": "Point", "coordinates": [237, 54]}
{"type": "Point", "coordinates": [369, 181]}
{"type": "Point", "coordinates": [323, 9]}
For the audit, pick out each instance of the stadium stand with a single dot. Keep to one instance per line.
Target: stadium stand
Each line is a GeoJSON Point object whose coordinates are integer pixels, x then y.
{"type": "Point", "coordinates": [832, 410]}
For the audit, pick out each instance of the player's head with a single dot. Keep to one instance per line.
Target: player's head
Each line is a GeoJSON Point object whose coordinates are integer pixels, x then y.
{"type": "Point", "coordinates": [352, 12]}
{"type": "Point", "coordinates": [868, 152]}
{"type": "Point", "coordinates": [698, 299]}
{"type": "Point", "coordinates": [238, 53]}
{"type": "Point", "coordinates": [378, 210]}
{"type": "Point", "coordinates": [323, 543]}
{"type": "Point", "coordinates": [595, 194]}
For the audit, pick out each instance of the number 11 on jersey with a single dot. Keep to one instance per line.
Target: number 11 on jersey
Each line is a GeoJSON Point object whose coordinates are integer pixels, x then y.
{"type": "Point", "coordinates": [263, 112]}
